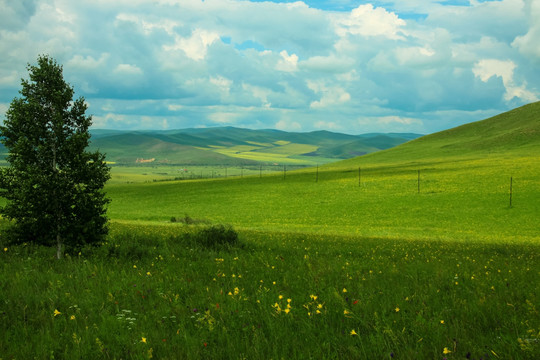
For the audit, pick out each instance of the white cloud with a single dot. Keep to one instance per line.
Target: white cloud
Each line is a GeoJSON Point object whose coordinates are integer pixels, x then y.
{"type": "Point", "coordinates": [223, 117]}
{"type": "Point", "coordinates": [529, 44]}
{"type": "Point", "coordinates": [487, 68]}
{"type": "Point", "coordinates": [287, 125]}
{"type": "Point", "coordinates": [196, 46]}
{"type": "Point", "coordinates": [331, 95]}
{"type": "Point", "coordinates": [128, 69]}
{"type": "Point", "coordinates": [388, 120]}
{"type": "Point", "coordinates": [287, 62]}
{"type": "Point", "coordinates": [368, 21]}
{"type": "Point", "coordinates": [258, 64]}
{"type": "Point", "coordinates": [259, 93]}
{"type": "Point", "coordinates": [327, 125]}
{"type": "Point", "coordinates": [88, 62]}
{"type": "Point", "coordinates": [222, 83]}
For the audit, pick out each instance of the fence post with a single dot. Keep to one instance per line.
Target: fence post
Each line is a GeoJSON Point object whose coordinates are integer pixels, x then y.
{"type": "Point", "coordinates": [419, 181]}
{"type": "Point", "coordinates": [510, 191]}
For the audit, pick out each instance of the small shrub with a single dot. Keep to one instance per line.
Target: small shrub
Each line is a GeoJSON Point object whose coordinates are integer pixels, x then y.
{"type": "Point", "coordinates": [188, 220]}
{"type": "Point", "coordinates": [216, 236]}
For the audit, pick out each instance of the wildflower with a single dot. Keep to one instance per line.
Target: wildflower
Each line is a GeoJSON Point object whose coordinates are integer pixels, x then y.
{"type": "Point", "coordinates": [5, 249]}
{"type": "Point", "coordinates": [355, 302]}
{"type": "Point", "coordinates": [289, 301]}
{"type": "Point", "coordinates": [353, 332]}
{"type": "Point", "coordinates": [344, 290]}
{"type": "Point", "coordinates": [446, 351]}
{"type": "Point", "coordinates": [56, 312]}
{"type": "Point", "coordinates": [72, 317]}
{"type": "Point", "coordinates": [319, 306]}
{"type": "Point", "coordinates": [313, 297]}
{"type": "Point", "coordinates": [287, 310]}
{"type": "Point", "coordinates": [442, 321]}
{"type": "Point", "coordinates": [134, 266]}
{"type": "Point", "coordinates": [148, 273]}
{"type": "Point", "coordinates": [397, 309]}
{"type": "Point", "coordinates": [346, 312]}
{"type": "Point", "coordinates": [280, 297]}
{"type": "Point", "coordinates": [143, 339]}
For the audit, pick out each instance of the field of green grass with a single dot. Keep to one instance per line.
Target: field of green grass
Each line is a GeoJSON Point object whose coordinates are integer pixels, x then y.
{"type": "Point", "coordinates": [409, 253]}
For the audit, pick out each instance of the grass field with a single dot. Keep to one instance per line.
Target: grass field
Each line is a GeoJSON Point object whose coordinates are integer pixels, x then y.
{"type": "Point", "coordinates": [418, 255]}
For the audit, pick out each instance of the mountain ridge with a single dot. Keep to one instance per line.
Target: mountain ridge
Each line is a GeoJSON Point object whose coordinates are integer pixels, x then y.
{"type": "Point", "coordinates": [234, 146]}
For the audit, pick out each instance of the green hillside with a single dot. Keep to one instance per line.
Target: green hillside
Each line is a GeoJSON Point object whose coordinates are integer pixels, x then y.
{"type": "Point", "coordinates": [235, 146]}
{"type": "Point", "coordinates": [471, 164]}
{"type": "Point", "coordinates": [516, 132]}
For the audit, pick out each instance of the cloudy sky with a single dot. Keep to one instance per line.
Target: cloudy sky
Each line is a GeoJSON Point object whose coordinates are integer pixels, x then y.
{"type": "Point", "coordinates": [341, 65]}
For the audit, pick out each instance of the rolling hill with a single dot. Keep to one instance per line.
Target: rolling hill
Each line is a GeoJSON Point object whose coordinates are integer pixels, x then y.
{"type": "Point", "coordinates": [236, 146]}
{"type": "Point", "coordinates": [513, 133]}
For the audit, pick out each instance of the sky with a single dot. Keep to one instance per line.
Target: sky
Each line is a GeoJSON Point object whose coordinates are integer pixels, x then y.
{"type": "Point", "coordinates": [347, 66]}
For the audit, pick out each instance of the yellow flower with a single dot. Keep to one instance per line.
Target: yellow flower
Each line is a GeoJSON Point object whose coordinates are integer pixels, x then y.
{"type": "Point", "coordinates": [353, 332]}
{"type": "Point", "coordinates": [313, 297]}
{"type": "Point", "coordinates": [319, 306]}
{"type": "Point", "coordinates": [344, 290]}
{"type": "Point", "coordinates": [442, 321]}
{"type": "Point", "coordinates": [56, 312]}
{"type": "Point", "coordinates": [287, 310]}
{"type": "Point", "coordinates": [148, 273]}
{"type": "Point", "coordinates": [289, 301]}
{"type": "Point", "coordinates": [346, 312]}
{"type": "Point", "coordinates": [5, 249]}
{"type": "Point", "coordinates": [134, 266]}
{"type": "Point", "coordinates": [280, 297]}
{"type": "Point", "coordinates": [143, 339]}
{"type": "Point", "coordinates": [446, 351]}
{"type": "Point", "coordinates": [397, 309]}
{"type": "Point", "coordinates": [72, 317]}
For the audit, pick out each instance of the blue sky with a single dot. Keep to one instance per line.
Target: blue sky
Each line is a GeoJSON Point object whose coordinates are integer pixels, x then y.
{"type": "Point", "coordinates": [343, 65]}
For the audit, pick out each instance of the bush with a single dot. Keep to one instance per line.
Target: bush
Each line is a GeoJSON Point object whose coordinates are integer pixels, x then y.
{"type": "Point", "coordinates": [188, 220]}
{"type": "Point", "coordinates": [216, 236]}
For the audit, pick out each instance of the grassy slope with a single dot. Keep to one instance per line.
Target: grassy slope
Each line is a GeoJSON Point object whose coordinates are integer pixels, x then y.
{"type": "Point", "coordinates": [464, 190]}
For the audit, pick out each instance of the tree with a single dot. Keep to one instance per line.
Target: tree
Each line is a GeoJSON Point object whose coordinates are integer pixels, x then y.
{"type": "Point", "coordinates": [54, 186]}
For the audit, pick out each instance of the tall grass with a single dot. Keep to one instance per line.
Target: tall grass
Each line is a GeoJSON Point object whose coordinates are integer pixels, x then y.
{"type": "Point", "coordinates": [151, 292]}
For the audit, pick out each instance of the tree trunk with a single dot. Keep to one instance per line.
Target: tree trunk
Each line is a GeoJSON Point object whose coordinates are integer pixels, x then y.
{"type": "Point", "coordinates": [58, 237]}
{"type": "Point", "coordinates": [58, 245]}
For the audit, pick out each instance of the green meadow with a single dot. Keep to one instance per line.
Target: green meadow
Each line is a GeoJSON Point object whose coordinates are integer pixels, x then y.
{"type": "Point", "coordinates": [429, 250]}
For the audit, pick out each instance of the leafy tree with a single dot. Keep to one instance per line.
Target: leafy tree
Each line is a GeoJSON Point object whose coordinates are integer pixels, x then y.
{"type": "Point", "coordinates": [53, 185]}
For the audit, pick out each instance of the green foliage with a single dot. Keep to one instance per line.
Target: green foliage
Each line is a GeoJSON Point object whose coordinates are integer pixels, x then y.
{"type": "Point", "coordinates": [190, 302]}
{"type": "Point", "coordinates": [216, 236]}
{"type": "Point", "coordinates": [53, 185]}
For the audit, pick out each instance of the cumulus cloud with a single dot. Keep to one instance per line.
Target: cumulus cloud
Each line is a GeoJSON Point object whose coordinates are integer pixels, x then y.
{"type": "Point", "coordinates": [529, 43]}
{"type": "Point", "coordinates": [369, 21]}
{"type": "Point", "coordinates": [287, 62]}
{"type": "Point", "coordinates": [195, 46]}
{"type": "Point", "coordinates": [486, 68]}
{"type": "Point", "coordinates": [415, 65]}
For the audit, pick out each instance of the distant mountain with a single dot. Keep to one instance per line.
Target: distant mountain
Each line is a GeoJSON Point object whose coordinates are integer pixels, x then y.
{"type": "Point", "coordinates": [235, 146]}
